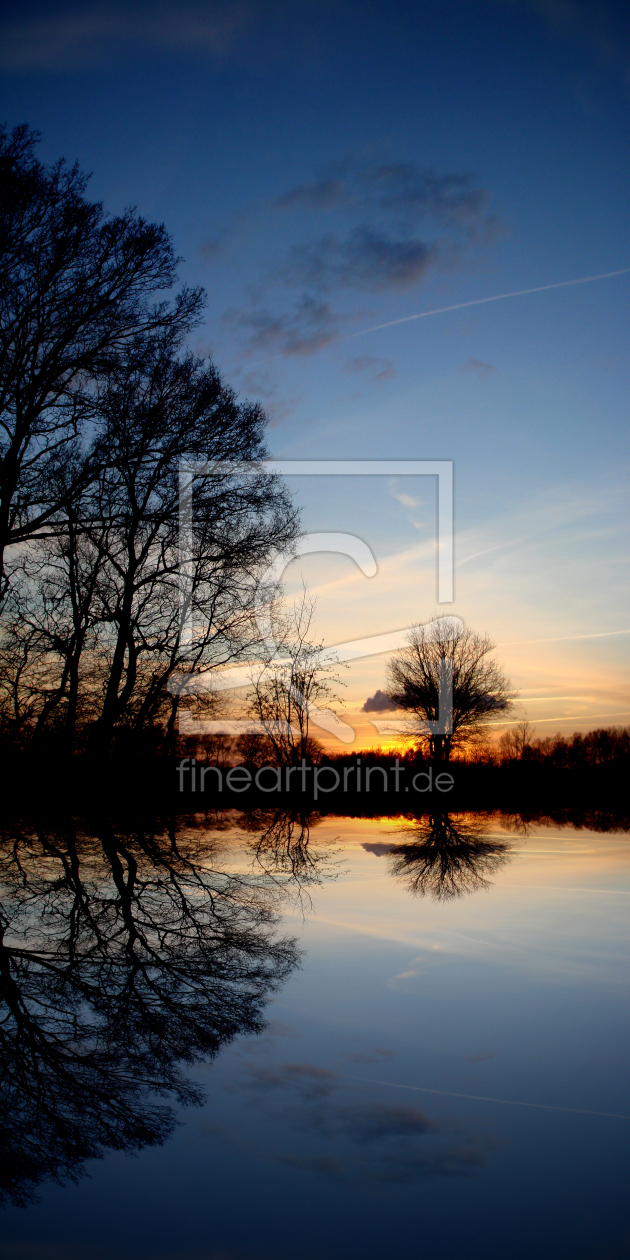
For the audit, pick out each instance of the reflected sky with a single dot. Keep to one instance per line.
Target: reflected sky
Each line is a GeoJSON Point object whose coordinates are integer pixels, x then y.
{"type": "Point", "coordinates": [445, 1075]}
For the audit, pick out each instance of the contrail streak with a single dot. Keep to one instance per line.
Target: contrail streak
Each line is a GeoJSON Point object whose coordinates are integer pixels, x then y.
{"type": "Point", "coordinates": [508, 1102]}
{"type": "Point", "coordinates": [577, 717]}
{"type": "Point", "coordinates": [563, 638]}
{"type": "Point", "coordinates": [497, 297]}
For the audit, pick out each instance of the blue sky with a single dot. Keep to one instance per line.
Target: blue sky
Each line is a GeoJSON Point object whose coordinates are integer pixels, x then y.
{"type": "Point", "coordinates": [330, 167]}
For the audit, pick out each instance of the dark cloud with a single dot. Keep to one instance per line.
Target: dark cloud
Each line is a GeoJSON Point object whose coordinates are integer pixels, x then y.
{"type": "Point", "coordinates": [306, 1079]}
{"type": "Point", "coordinates": [273, 1029]}
{"type": "Point", "coordinates": [328, 1165]}
{"type": "Point", "coordinates": [478, 365]}
{"type": "Point", "coordinates": [380, 702]}
{"type": "Point", "coordinates": [380, 369]}
{"type": "Point", "coordinates": [396, 1169]}
{"type": "Point", "coordinates": [346, 1133]}
{"type": "Point", "coordinates": [388, 224]}
{"type": "Point", "coordinates": [480, 1057]}
{"type": "Point", "coordinates": [454, 1159]}
{"type": "Point", "coordinates": [393, 222]}
{"type": "Point", "coordinates": [402, 190]}
{"type": "Point", "coordinates": [320, 194]}
{"type": "Point", "coordinates": [260, 384]}
{"type": "Point", "coordinates": [308, 327]}
{"type": "Point", "coordinates": [366, 258]}
{"type": "Point", "coordinates": [378, 1121]}
{"type": "Point", "coordinates": [446, 198]}
{"type": "Point", "coordinates": [377, 848]}
{"type": "Point", "coordinates": [211, 248]}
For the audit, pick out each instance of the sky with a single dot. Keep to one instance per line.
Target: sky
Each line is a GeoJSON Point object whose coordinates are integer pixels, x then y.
{"type": "Point", "coordinates": [331, 170]}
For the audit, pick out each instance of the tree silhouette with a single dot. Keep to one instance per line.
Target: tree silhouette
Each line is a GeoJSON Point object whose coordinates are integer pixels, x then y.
{"type": "Point", "coordinates": [291, 686]}
{"type": "Point", "coordinates": [445, 858]}
{"type": "Point", "coordinates": [100, 409]}
{"type": "Point", "coordinates": [438, 657]}
{"type": "Point", "coordinates": [76, 287]}
{"type": "Point", "coordinates": [125, 954]}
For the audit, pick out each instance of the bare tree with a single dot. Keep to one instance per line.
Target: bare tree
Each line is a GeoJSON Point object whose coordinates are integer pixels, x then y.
{"type": "Point", "coordinates": [440, 656]}
{"type": "Point", "coordinates": [104, 596]}
{"type": "Point", "coordinates": [516, 745]}
{"type": "Point", "coordinates": [98, 407]}
{"type": "Point", "coordinates": [291, 687]}
{"type": "Point", "coordinates": [282, 848]}
{"type": "Point", "coordinates": [52, 608]}
{"type": "Point", "coordinates": [160, 409]}
{"type": "Point", "coordinates": [76, 285]}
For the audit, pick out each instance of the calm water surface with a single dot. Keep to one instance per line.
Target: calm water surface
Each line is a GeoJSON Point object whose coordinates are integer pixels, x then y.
{"type": "Point", "coordinates": [443, 1070]}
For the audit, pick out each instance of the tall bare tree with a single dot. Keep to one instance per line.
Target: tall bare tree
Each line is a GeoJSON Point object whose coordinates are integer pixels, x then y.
{"type": "Point", "coordinates": [76, 286]}
{"type": "Point", "coordinates": [105, 596]}
{"type": "Point", "coordinates": [291, 687]}
{"type": "Point", "coordinates": [159, 410]}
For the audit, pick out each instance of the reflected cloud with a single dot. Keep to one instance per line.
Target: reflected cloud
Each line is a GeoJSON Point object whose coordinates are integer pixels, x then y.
{"type": "Point", "coordinates": [352, 1136]}
{"type": "Point", "coordinates": [377, 1056]}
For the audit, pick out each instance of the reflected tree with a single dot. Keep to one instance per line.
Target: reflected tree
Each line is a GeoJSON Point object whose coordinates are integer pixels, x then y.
{"type": "Point", "coordinates": [282, 849]}
{"type": "Point", "coordinates": [445, 857]}
{"type": "Point", "coordinates": [125, 956]}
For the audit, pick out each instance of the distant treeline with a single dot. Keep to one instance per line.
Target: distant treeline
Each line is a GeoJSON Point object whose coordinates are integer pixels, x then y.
{"type": "Point", "coordinates": [604, 746]}
{"type": "Point", "coordinates": [588, 772]}
{"type": "Point", "coordinates": [607, 745]}
{"type": "Point", "coordinates": [517, 772]}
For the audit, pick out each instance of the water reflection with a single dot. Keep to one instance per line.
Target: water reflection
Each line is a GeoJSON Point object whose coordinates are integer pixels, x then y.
{"type": "Point", "coordinates": [130, 952]}
{"type": "Point", "coordinates": [445, 857]}
{"type": "Point", "coordinates": [282, 845]}
{"type": "Point", "coordinates": [125, 954]}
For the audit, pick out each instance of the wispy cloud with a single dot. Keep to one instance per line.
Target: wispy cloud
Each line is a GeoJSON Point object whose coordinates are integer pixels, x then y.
{"type": "Point", "coordinates": [374, 1056]}
{"type": "Point", "coordinates": [307, 327]}
{"type": "Point", "coordinates": [478, 366]}
{"type": "Point", "coordinates": [379, 369]}
{"type": "Point", "coordinates": [399, 189]}
{"type": "Point", "coordinates": [559, 575]}
{"type": "Point", "coordinates": [83, 36]}
{"type": "Point", "coordinates": [366, 258]}
{"type": "Point", "coordinates": [407, 500]}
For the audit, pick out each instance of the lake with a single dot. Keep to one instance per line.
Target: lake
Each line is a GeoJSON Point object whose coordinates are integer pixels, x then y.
{"type": "Point", "coordinates": [379, 1036]}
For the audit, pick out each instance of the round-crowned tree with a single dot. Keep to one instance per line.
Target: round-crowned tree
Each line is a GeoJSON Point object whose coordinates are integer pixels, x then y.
{"type": "Point", "coordinates": [446, 677]}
